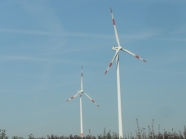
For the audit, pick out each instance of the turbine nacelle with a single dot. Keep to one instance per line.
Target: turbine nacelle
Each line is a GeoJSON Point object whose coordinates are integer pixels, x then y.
{"type": "Point", "coordinates": [116, 48]}
{"type": "Point", "coordinates": [80, 91]}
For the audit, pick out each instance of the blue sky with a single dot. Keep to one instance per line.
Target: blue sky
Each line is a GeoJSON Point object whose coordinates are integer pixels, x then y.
{"type": "Point", "coordinates": [43, 45]}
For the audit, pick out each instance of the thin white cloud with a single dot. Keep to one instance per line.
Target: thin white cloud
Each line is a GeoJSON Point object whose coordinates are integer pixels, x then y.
{"type": "Point", "coordinates": [13, 58]}
{"type": "Point", "coordinates": [173, 39]}
{"type": "Point", "coordinates": [31, 32]}
{"type": "Point", "coordinates": [130, 37]}
{"type": "Point", "coordinates": [43, 13]}
{"type": "Point", "coordinates": [136, 36]}
{"type": "Point", "coordinates": [141, 35]}
{"type": "Point", "coordinates": [165, 71]}
{"type": "Point", "coordinates": [7, 58]}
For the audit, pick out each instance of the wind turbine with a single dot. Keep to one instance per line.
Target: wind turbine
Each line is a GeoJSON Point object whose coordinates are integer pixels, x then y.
{"type": "Point", "coordinates": [80, 93]}
{"type": "Point", "coordinates": [116, 56]}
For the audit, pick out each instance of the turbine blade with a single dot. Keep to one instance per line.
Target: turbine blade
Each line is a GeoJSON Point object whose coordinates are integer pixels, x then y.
{"type": "Point", "coordinates": [82, 78]}
{"type": "Point", "coordinates": [117, 51]}
{"type": "Point", "coordinates": [133, 54]}
{"type": "Point", "coordinates": [115, 30]}
{"type": "Point", "coordinates": [73, 96]}
{"type": "Point", "coordinates": [91, 99]}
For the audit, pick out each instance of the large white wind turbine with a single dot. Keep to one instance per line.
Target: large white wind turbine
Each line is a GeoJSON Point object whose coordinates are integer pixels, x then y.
{"type": "Point", "coordinates": [116, 56]}
{"type": "Point", "coordinates": [80, 93]}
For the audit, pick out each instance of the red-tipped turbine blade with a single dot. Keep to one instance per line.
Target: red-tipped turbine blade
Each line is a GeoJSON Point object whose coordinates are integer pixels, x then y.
{"type": "Point", "coordinates": [112, 61]}
{"type": "Point", "coordinates": [115, 30]}
{"type": "Point", "coordinates": [73, 96]}
{"type": "Point", "coordinates": [91, 99]}
{"type": "Point", "coordinates": [133, 54]}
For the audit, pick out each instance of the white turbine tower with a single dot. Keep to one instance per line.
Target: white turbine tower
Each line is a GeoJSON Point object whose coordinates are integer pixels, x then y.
{"type": "Point", "coordinates": [116, 56]}
{"type": "Point", "coordinates": [80, 93]}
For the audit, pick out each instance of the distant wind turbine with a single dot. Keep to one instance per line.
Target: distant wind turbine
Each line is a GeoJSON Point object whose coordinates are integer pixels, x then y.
{"type": "Point", "coordinates": [116, 56]}
{"type": "Point", "coordinates": [80, 93]}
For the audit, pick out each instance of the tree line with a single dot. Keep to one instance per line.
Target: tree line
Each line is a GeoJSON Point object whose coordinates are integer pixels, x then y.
{"type": "Point", "coordinates": [109, 135]}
